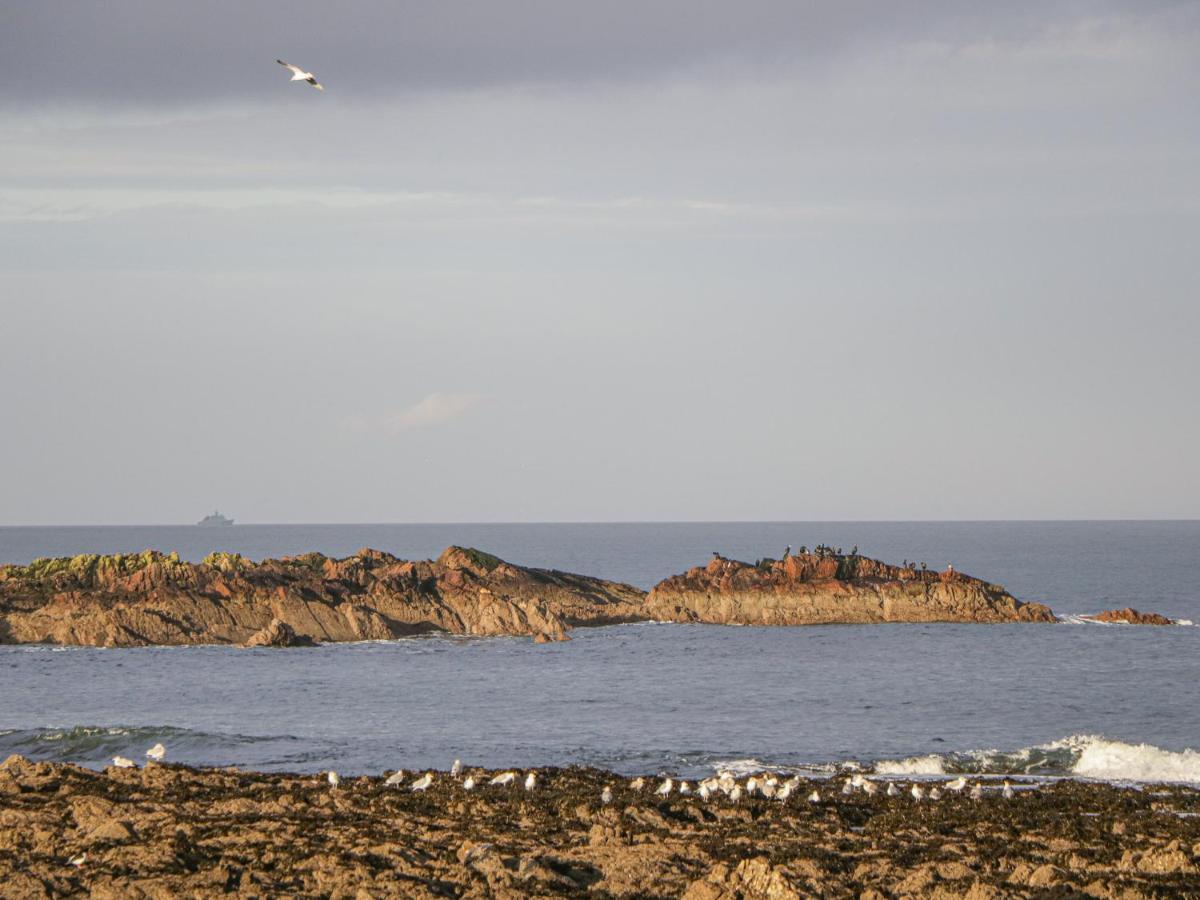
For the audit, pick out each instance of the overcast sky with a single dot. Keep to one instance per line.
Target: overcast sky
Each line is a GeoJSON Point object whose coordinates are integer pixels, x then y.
{"type": "Point", "coordinates": [553, 260]}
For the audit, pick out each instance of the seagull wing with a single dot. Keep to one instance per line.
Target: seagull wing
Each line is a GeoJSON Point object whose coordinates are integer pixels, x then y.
{"type": "Point", "coordinates": [315, 83]}
{"type": "Point", "coordinates": [296, 70]}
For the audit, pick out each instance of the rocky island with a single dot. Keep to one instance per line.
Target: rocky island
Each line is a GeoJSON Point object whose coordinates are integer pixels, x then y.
{"type": "Point", "coordinates": [153, 598]}
{"type": "Point", "coordinates": [827, 587]}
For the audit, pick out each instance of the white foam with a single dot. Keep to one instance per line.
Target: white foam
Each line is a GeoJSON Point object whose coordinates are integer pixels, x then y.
{"type": "Point", "coordinates": [740, 766]}
{"type": "Point", "coordinates": [914, 765]}
{"type": "Point", "coordinates": [1118, 761]}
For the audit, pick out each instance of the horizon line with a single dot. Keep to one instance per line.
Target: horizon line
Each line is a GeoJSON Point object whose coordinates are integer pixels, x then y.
{"type": "Point", "coordinates": [1046, 521]}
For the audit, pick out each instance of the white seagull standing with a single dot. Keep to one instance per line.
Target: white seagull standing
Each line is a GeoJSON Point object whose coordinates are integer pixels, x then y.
{"type": "Point", "coordinates": [157, 752]}
{"type": "Point", "coordinates": [606, 795]}
{"type": "Point", "coordinates": [298, 74]}
{"type": "Point", "coordinates": [531, 781]}
{"type": "Point", "coordinates": [892, 790]}
{"type": "Point", "coordinates": [122, 762]}
{"type": "Point", "coordinates": [469, 784]}
{"type": "Point", "coordinates": [334, 779]}
{"type": "Point", "coordinates": [504, 778]}
{"type": "Point", "coordinates": [395, 778]}
{"type": "Point", "coordinates": [918, 793]}
{"type": "Point", "coordinates": [814, 797]}
{"type": "Point", "coordinates": [637, 784]}
{"type": "Point", "coordinates": [456, 769]}
{"type": "Point", "coordinates": [957, 784]}
{"type": "Point", "coordinates": [422, 783]}
{"type": "Point", "coordinates": [665, 787]}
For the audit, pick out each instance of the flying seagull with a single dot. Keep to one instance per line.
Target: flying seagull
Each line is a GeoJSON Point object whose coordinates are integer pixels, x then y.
{"type": "Point", "coordinates": [298, 74]}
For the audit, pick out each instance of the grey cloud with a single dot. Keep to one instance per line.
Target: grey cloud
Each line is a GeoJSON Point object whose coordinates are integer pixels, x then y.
{"type": "Point", "coordinates": [130, 52]}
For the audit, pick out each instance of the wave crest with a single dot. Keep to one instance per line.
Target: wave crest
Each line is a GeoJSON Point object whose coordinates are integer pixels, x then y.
{"type": "Point", "coordinates": [1080, 756]}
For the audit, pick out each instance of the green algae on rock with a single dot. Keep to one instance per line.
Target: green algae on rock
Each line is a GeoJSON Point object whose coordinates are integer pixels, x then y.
{"type": "Point", "coordinates": [152, 598]}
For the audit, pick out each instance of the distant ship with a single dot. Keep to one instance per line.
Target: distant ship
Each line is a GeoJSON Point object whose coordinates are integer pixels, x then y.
{"type": "Point", "coordinates": [215, 519]}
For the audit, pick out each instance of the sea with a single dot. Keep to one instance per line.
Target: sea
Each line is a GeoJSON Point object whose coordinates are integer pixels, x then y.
{"type": "Point", "coordinates": [1080, 699]}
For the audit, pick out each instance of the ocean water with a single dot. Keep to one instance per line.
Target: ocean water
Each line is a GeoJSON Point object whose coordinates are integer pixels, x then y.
{"type": "Point", "coordinates": [1111, 702]}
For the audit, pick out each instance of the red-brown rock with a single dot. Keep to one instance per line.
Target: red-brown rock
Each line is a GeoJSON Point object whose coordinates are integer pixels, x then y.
{"type": "Point", "coordinates": [828, 588]}
{"type": "Point", "coordinates": [151, 598]}
{"type": "Point", "coordinates": [1131, 616]}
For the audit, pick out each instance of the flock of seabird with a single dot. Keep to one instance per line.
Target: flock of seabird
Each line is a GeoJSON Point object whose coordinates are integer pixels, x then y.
{"type": "Point", "coordinates": [724, 783]}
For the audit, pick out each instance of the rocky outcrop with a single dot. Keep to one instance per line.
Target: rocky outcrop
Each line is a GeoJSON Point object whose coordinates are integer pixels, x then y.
{"type": "Point", "coordinates": [829, 588]}
{"type": "Point", "coordinates": [278, 634]}
{"type": "Point", "coordinates": [1131, 616]}
{"type": "Point", "coordinates": [152, 598]}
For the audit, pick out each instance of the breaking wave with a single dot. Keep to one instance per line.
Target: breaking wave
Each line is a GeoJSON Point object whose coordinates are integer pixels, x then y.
{"type": "Point", "coordinates": [1081, 756]}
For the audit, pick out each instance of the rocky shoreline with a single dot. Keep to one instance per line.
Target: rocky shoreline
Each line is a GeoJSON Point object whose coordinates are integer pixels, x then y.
{"type": "Point", "coordinates": [168, 830]}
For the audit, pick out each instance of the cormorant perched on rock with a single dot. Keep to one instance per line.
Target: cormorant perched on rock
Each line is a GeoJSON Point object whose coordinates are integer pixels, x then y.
{"type": "Point", "coordinates": [787, 551]}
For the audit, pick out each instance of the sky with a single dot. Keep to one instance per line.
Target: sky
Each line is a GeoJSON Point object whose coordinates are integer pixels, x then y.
{"type": "Point", "coordinates": [544, 260]}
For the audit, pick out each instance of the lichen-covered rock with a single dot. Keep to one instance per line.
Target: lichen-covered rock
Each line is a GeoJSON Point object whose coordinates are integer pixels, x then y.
{"type": "Point", "coordinates": [828, 588]}
{"type": "Point", "coordinates": [152, 598]}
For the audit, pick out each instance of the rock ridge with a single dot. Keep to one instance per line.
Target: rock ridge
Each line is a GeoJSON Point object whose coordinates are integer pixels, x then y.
{"type": "Point", "coordinates": [152, 598]}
